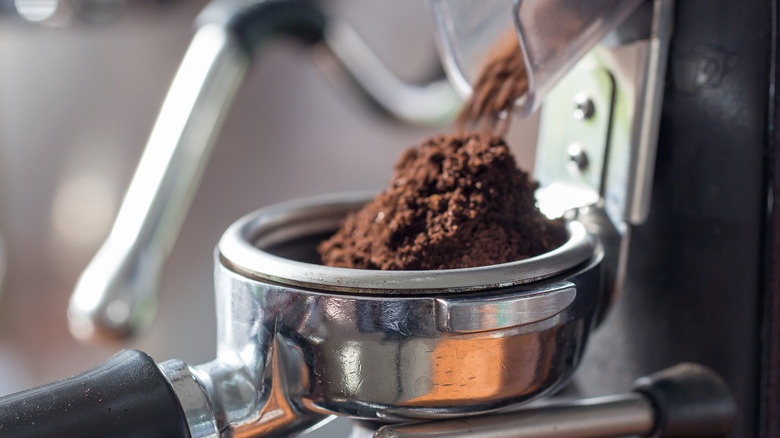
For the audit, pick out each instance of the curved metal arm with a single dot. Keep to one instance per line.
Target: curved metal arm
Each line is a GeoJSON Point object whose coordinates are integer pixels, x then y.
{"type": "Point", "coordinates": [116, 295]}
{"type": "Point", "coordinates": [434, 103]}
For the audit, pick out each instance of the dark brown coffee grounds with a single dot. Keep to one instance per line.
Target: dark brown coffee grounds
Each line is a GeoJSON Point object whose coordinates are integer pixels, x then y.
{"type": "Point", "coordinates": [455, 201]}
{"type": "Point", "coordinates": [501, 82]}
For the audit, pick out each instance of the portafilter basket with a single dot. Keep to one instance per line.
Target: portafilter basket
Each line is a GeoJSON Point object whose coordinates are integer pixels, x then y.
{"type": "Point", "coordinates": [393, 345]}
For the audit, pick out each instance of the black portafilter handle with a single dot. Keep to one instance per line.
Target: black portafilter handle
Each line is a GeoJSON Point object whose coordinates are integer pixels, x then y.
{"type": "Point", "coordinates": [126, 396]}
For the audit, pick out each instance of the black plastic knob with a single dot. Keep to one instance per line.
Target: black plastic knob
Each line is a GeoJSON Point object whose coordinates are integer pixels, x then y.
{"type": "Point", "coordinates": [689, 400]}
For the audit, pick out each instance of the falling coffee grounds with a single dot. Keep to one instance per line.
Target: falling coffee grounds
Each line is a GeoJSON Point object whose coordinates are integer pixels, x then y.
{"type": "Point", "coordinates": [455, 201]}
{"type": "Point", "coordinates": [500, 83]}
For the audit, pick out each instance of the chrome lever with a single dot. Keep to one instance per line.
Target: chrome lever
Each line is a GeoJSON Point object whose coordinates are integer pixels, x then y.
{"type": "Point", "coordinates": [345, 57]}
{"type": "Point", "coordinates": [116, 294]}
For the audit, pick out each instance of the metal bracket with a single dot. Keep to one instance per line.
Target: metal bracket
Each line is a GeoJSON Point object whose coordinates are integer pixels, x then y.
{"type": "Point", "coordinates": [598, 135]}
{"type": "Point", "coordinates": [599, 130]}
{"type": "Point", "coordinates": [574, 138]}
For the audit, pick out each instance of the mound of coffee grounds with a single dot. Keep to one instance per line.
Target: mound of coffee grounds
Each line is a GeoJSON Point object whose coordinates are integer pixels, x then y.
{"type": "Point", "coordinates": [501, 82]}
{"type": "Point", "coordinates": [455, 201]}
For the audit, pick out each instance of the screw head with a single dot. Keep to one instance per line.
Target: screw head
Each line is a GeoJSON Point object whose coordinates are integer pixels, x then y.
{"type": "Point", "coordinates": [578, 157]}
{"type": "Point", "coordinates": [584, 108]}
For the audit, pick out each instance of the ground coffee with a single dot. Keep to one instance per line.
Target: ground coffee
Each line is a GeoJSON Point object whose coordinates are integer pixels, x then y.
{"type": "Point", "coordinates": [458, 200]}
{"type": "Point", "coordinates": [455, 201]}
{"type": "Point", "coordinates": [500, 83]}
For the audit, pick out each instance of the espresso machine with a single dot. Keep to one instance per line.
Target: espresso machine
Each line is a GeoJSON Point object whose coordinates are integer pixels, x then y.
{"type": "Point", "coordinates": [669, 261]}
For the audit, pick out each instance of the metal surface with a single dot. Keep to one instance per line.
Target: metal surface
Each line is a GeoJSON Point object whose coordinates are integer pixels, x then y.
{"type": "Point", "coordinates": [562, 134]}
{"type": "Point", "coordinates": [433, 103]}
{"type": "Point", "coordinates": [384, 357]}
{"type": "Point", "coordinates": [553, 36]}
{"type": "Point", "coordinates": [288, 356]}
{"type": "Point", "coordinates": [686, 400]}
{"type": "Point", "coordinates": [192, 397]}
{"type": "Point", "coordinates": [696, 273]}
{"type": "Point", "coordinates": [647, 118]}
{"type": "Point", "coordinates": [255, 398]}
{"type": "Point", "coordinates": [269, 226]}
{"type": "Point", "coordinates": [470, 314]}
{"type": "Point", "coordinates": [609, 416]}
{"type": "Point", "coordinates": [584, 108]}
{"type": "Point", "coordinates": [612, 152]}
{"type": "Point", "coordinates": [619, 135]}
{"type": "Point", "coordinates": [117, 293]}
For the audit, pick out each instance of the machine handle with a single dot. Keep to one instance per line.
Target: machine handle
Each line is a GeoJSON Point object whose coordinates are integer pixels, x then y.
{"type": "Point", "coordinates": [349, 62]}
{"type": "Point", "coordinates": [116, 294]}
{"type": "Point", "coordinates": [126, 396]}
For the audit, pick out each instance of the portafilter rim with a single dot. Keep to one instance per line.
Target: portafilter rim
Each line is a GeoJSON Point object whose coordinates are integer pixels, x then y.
{"type": "Point", "coordinates": [240, 249]}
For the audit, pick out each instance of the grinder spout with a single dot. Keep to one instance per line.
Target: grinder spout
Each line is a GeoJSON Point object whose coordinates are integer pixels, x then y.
{"type": "Point", "coordinates": [552, 34]}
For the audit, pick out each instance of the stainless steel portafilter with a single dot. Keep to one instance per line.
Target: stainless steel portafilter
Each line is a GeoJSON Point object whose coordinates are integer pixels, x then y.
{"type": "Point", "coordinates": [299, 342]}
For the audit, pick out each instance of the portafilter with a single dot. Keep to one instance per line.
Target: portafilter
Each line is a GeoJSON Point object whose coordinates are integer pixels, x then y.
{"type": "Point", "coordinates": [299, 341]}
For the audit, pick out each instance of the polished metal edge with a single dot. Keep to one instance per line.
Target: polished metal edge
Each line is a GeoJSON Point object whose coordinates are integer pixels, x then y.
{"type": "Point", "coordinates": [193, 398]}
{"type": "Point", "coordinates": [272, 225]}
{"type": "Point", "coordinates": [494, 313]}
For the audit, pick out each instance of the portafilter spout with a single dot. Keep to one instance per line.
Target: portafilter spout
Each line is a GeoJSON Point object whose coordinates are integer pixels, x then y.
{"type": "Point", "coordinates": [116, 294]}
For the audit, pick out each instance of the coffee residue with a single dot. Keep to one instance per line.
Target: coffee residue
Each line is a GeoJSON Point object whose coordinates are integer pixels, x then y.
{"type": "Point", "coordinates": [455, 201]}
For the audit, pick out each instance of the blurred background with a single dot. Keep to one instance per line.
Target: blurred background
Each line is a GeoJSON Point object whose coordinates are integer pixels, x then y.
{"type": "Point", "coordinates": [81, 83]}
